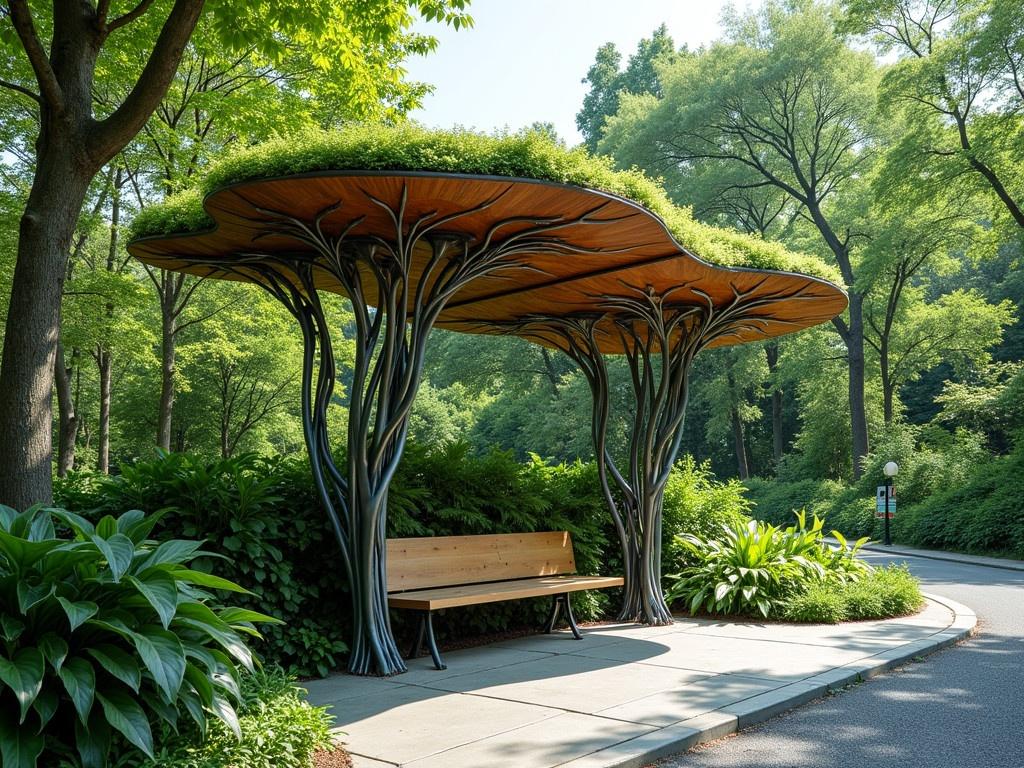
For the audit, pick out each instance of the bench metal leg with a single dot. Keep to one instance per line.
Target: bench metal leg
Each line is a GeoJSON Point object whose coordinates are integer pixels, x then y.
{"type": "Point", "coordinates": [417, 643]}
{"type": "Point", "coordinates": [572, 619]}
{"type": "Point", "coordinates": [556, 604]}
{"type": "Point", "coordinates": [425, 627]}
{"type": "Point", "coordinates": [432, 643]}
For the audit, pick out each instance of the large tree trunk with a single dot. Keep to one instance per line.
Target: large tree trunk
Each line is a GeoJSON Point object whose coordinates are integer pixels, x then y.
{"type": "Point", "coordinates": [852, 335]}
{"type": "Point", "coordinates": [168, 352]}
{"type": "Point", "coordinates": [887, 388]}
{"type": "Point", "coordinates": [33, 322]}
{"type": "Point", "coordinates": [855, 355]}
{"type": "Point", "coordinates": [103, 354]}
{"type": "Point", "coordinates": [771, 351]}
{"type": "Point", "coordinates": [549, 370]}
{"type": "Point", "coordinates": [67, 413]}
{"type": "Point", "coordinates": [742, 465]}
{"type": "Point", "coordinates": [103, 362]}
{"type": "Point", "coordinates": [778, 436]}
{"type": "Point", "coordinates": [71, 148]}
{"type": "Point", "coordinates": [225, 417]}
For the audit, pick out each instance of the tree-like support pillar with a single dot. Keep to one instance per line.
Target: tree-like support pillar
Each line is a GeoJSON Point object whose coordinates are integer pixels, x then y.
{"type": "Point", "coordinates": [659, 337]}
{"type": "Point", "coordinates": [407, 295]}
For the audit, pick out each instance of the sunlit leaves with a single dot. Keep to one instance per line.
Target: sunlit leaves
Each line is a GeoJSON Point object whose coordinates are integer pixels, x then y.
{"type": "Point", "coordinates": [130, 623]}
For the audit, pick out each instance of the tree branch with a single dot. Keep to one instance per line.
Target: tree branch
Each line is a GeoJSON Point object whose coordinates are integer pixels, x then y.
{"type": "Point", "coordinates": [49, 88]}
{"type": "Point", "coordinates": [22, 90]}
{"type": "Point", "coordinates": [116, 130]}
{"type": "Point", "coordinates": [129, 17]}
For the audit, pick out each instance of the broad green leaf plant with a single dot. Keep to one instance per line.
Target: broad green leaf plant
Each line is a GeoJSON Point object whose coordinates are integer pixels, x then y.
{"type": "Point", "coordinates": [104, 633]}
{"type": "Point", "coordinates": [756, 567]}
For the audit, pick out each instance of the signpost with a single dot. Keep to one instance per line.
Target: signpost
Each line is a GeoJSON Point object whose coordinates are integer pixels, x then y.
{"type": "Point", "coordinates": [885, 501]}
{"type": "Point", "coordinates": [885, 497]}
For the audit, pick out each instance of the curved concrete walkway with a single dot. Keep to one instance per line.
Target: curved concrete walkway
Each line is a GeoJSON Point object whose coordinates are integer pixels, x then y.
{"type": "Point", "coordinates": [623, 696]}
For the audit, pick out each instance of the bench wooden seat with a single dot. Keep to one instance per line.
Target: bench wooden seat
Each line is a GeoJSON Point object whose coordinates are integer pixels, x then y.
{"type": "Point", "coordinates": [495, 592]}
{"type": "Point", "coordinates": [432, 573]}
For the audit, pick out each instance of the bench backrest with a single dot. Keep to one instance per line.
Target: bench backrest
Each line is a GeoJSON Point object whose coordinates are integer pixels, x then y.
{"type": "Point", "coordinates": [446, 561]}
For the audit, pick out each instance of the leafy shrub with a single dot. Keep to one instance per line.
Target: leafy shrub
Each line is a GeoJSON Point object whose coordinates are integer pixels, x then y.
{"type": "Point", "coordinates": [697, 503]}
{"type": "Point", "coordinates": [880, 594]}
{"type": "Point", "coordinates": [952, 494]}
{"type": "Point", "coordinates": [821, 604]}
{"type": "Point", "coordinates": [854, 512]}
{"type": "Point", "coordinates": [279, 730]}
{"type": "Point", "coordinates": [263, 514]}
{"type": "Point", "coordinates": [982, 514]}
{"type": "Point", "coordinates": [890, 591]}
{"type": "Point", "coordinates": [448, 491]}
{"type": "Point", "coordinates": [775, 501]}
{"type": "Point", "coordinates": [757, 567]}
{"type": "Point", "coordinates": [106, 632]}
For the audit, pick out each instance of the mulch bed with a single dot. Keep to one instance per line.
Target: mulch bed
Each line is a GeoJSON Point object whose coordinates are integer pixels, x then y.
{"type": "Point", "coordinates": [339, 758]}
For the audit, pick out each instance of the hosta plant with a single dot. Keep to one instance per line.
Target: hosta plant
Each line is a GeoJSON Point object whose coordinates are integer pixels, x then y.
{"type": "Point", "coordinates": [755, 567]}
{"type": "Point", "coordinates": [104, 633]}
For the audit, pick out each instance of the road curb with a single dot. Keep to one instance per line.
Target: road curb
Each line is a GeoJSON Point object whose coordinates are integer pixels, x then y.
{"type": "Point", "coordinates": [682, 736]}
{"type": "Point", "coordinates": [951, 557]}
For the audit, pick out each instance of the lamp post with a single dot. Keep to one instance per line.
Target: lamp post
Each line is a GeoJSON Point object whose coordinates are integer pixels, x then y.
{"type": "Point", "coordinates": [890, 469]}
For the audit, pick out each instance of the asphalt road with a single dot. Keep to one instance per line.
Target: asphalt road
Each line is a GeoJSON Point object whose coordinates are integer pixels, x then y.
{"type": "Point", "coordinates": [959, 708]}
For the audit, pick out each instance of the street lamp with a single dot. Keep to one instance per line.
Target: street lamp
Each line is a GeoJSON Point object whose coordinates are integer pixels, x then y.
{"type": "Point", "coordinates": [890, 469]}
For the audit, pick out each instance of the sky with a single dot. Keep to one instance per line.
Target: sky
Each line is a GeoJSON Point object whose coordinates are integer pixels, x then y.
{"type": "Point", "coordinates": [523, 60]}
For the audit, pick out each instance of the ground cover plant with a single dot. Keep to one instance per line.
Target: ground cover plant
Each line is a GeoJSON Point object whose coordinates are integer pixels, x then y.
{"type": "Point", "coordinates": [278, 730]}
{"type": "Point", "coordinates": [880, 594]}
{"type": "Point", "coordinates": [107, 634]}
{"type": "Point", "coordinates": [756, 568]}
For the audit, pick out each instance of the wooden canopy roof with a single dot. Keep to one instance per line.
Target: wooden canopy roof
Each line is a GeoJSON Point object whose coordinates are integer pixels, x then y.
{"type": "Point", "coordinates": [608, 246]}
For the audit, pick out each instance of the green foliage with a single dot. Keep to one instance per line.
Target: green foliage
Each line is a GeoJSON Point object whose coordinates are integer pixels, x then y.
{"type": "Point", "coordinates": [447, 491]}
{"type": "Point", "coordinates": [980, 514]}
{"type": "Point", "coordinates": [880, 594]}
{"type": "Point", "coordinates": [943, 55]}
{"type": "Point", "coordinates": [279, 730]}
{"type": "Point", "coordinates": [265, 518]}
{"type": "Point", "coordinates": [775, 501]}
{"type": "Point", "coordinates": [990, 401]}
{"type": "Point", "coordinates": [890, 591]}
{"type": "Point", "coordinates": [699, 504]}
{"type": "Point", "coordinates": [757, 567]}
{"type": "Point", "coordinates": [405, 147]}
{"type": "Point", "coordinates": [951, 493]}
{"type": "Point", "coordinates": [820, 604]}
{"type": "Point", "coordinates": [265, 515]}
{"type": "Point", "coordinates": [607, 82]}
{"type": "Point", "coordinates": [106, 633]}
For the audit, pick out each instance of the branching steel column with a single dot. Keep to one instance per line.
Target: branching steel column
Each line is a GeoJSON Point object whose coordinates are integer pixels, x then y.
{"type": "Point", "coordinates": [659, 338]}
{"type": "Point", "coordinates": [390, 343]}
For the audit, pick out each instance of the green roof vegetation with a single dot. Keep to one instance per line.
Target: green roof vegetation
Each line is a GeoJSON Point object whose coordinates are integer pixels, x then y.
{"type": "Point", "coordinates": [408, 147]}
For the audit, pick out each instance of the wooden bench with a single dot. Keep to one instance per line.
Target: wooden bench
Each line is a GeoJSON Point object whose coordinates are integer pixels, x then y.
{"type": "Point", "coordinates": [435, 572]}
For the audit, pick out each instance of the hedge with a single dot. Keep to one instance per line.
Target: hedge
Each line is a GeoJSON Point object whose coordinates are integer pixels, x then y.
{"type": "Point", "coordinates": [263, 514]}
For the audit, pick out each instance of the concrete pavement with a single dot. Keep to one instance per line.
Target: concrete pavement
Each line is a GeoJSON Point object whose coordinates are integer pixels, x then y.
{"type": "Point", "coordinates": [623, 696]}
